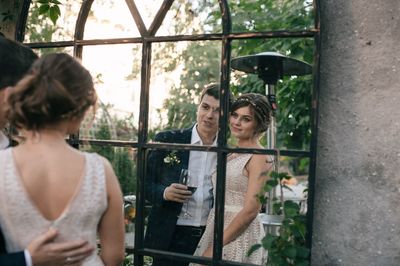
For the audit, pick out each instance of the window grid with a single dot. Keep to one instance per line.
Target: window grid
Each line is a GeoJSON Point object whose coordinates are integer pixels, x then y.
{"type": "Point", "coordinates": [147, 38]}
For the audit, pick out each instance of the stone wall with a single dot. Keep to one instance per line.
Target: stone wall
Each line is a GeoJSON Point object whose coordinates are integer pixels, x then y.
{"type": "Point", "coordinates": [357, 218]}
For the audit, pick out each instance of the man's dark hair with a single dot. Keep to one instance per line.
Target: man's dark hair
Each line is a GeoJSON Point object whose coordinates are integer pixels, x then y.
{"type": "Point", "coordinates": [15, 60]}
{"type": "Point", "coordinates": [213, 89]}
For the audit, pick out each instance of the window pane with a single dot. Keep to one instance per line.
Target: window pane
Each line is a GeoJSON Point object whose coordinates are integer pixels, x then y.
{"type": "Point", "coordinates": [192, 17]}
{"type": "Point", "coordinates": [123, 161]}
{"type": "Point", "coordinates": [110, 19]}
{"type": "Point", "coordinates": [117, 79]}
{"type": "Point", "coordinates": [266, 15]}
{"type": "Point", "coordinates": [179, 73]}
{"type": "Point", "coordinates": [293, 93]}
{"type": "Point", "coordinates": [40, 28]}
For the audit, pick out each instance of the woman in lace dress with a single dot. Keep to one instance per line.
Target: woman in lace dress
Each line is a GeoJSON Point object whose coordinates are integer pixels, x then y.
{"type": "Point", "coordinates": [245, 177]}
{"type": "Point", "coordinates": [44, 182]}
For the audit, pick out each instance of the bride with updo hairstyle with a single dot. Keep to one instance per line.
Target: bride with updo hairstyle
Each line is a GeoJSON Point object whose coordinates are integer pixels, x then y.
{"type": "Point", "coordinates": [46, 183]}
{"type": "Point", "coordinates": [246, 174]}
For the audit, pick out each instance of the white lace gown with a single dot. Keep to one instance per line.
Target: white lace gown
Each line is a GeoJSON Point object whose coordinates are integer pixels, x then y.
{"type": "Point", "coordinates": [22, 221]}
{"type": "Point", "coordinates": [235, 191]}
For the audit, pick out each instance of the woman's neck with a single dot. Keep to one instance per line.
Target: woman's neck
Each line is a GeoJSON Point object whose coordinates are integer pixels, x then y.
{"type": "Point", "coordinates": [50, 137]}
{"type": "Point", "coordinates": [249, 143]}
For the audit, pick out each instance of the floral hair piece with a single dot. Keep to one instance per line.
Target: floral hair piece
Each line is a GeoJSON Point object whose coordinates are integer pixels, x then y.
{"type": "Point", "coordinates": [252, 103]}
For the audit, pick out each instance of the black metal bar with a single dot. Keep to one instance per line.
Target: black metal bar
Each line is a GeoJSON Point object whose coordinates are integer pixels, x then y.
{"type": "Point", "coordinates": [50, 45]}
{"type": "Point", "coordinates": [79, 31]}
{"type": "Point", "coordinates": [21, 21]}
{"type": "Point", "coordinates": [136, 16]}
{"type": "Point", "coordinates": [155, 25]}
{"type": "Point", "coordinates": [175, 38]}
{"type": "Point", "coordinates": [141, 159]}
{"type": "Point", "coordinates": [314, 128]}
{"type": "Point", "coordinates": [177, 146]}
{"type": "Point", "coordinates": [80, 26]}
{"type": "Point", "coordinates": [180, 256]}
{"type": "Point", "coordinates": [222, 134]}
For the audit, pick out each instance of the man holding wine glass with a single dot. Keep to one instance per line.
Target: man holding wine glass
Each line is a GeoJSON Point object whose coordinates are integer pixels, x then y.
{"type": "Point", "coordinates": [178, 183]}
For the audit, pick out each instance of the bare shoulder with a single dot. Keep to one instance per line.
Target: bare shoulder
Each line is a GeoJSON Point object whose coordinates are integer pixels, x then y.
{"type": "Point", "coordinates": [108, 169]}
{"type": "Point", "coordinates": [260, 161]}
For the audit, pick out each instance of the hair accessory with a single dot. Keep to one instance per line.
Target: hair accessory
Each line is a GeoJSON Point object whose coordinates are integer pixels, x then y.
{"type": "Point", "coordinates": [252, 103]}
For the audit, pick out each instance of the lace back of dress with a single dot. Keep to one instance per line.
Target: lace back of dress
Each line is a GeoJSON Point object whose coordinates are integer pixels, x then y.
{"type": "Point", "coordinates": [22, 222]}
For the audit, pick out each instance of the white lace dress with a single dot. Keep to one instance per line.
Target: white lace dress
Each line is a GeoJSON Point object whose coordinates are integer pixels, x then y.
{"type": "Point", "coordinates": [22, 221]}
{"type": "Point", "coordinates": [235, 191]}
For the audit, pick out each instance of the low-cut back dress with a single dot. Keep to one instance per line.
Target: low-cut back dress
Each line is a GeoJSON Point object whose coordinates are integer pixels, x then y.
{"type": "Point", "coordinates": [235, 192]}
{"type": "Point", "coordinates": [22, 221]}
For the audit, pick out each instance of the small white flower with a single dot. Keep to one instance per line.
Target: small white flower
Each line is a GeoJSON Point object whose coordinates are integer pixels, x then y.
{"type": "Point", "coordinates": [171, 158]}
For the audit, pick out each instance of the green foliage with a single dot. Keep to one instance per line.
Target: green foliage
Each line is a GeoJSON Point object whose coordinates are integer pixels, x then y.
{"type": "Point", "coordinates": [201, 67]}
{"type": "Point", "coordinates": [128, 261]}
{"type": "Point", "coordinates": [289, 246]}
{"type": "Point", "coordinates": [40, 29]}
{"type": "Point", "coordinates": [50, 8]}
{"type": "Point", "coordinates": [293, 94]}
{"type": "Point", "coordinates": [120, 158]}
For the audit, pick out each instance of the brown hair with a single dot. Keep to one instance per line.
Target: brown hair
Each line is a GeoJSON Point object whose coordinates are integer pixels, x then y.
{"type": "Point", "coordinates": [56, 88]}
{"type": "Point", "coordinates": [213, 89]}
{"type": "Point", "coordinates": [260, 107]}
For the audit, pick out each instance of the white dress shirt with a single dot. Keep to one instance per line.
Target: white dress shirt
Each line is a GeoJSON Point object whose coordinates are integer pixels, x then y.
{"type": "Point", "coordinates": [201, 166]}
{"type": "Point", "coordinates": [4, 144]}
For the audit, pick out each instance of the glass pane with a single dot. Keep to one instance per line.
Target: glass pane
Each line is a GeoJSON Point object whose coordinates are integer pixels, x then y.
{"type": "Point", "coordinates": [179, 73]}
{"type": "Point", "coordinates": [267, 15]}
{"type": "Point", "coordinates": [117, 79]}
{"type": "Point", "coordinates": [148, 10]}
{"type": "Point", "coordinates": [192, 17]}
{"type": "Point", "coordinates": [123, 161]}
{"type": "Point", "coordinates": [110, 19]}
{"type": "Point", "coordinates": [39, 28]}
{"type": "Point", "coordinates": [293, 93]}
{"type": "Point", "coordinates": [296, 187]}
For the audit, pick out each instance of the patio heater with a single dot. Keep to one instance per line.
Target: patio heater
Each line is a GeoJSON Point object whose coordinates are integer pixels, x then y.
{"type": "Point", "coordinates": [270, 67]}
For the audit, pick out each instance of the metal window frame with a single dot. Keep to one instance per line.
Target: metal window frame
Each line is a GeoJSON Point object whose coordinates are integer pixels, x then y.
{"type": "Point", "coordinates": [226, 37]}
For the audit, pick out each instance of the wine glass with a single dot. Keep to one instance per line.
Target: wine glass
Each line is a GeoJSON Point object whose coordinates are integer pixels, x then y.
{"type": "Point", "coordinates": [188, 180]}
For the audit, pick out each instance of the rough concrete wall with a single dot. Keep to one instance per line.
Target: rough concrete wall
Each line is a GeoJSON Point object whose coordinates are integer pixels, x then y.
{"type": "Point", "coordinates": [357, 197]}
{"type": "Point", "coordinates": [9, 12]}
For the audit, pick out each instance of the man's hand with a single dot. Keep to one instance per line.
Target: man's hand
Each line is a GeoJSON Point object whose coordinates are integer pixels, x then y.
{"type": "Point", "coordinates": [177, 192]}
{"type": "Point", "coordinates": [45, 253]}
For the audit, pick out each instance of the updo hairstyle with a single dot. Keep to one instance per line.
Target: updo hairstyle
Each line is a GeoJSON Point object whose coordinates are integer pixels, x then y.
{"type": "Point", "coordinates": [260, 107]}
{"type": "Point", "coordinates": [56, 88]}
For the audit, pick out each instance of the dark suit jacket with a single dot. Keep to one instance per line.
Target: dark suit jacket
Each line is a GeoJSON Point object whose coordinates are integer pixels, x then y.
{"type": "Point", "coordinates": [14, 259]}
{"type": "Point", "coordinates": [164, 214]}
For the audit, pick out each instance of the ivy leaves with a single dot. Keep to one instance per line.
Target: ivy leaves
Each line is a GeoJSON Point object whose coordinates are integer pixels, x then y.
{"type": "Point", "coordinates": [289, 246]}
{"type": "Point", "coordinates": [50, 8]}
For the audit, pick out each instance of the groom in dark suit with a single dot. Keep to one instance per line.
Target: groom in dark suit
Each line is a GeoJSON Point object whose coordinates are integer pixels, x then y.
{"type": "Point", "coordinates": [167, 228]}
{"type": "Point", "coordinates": [15, 60]}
